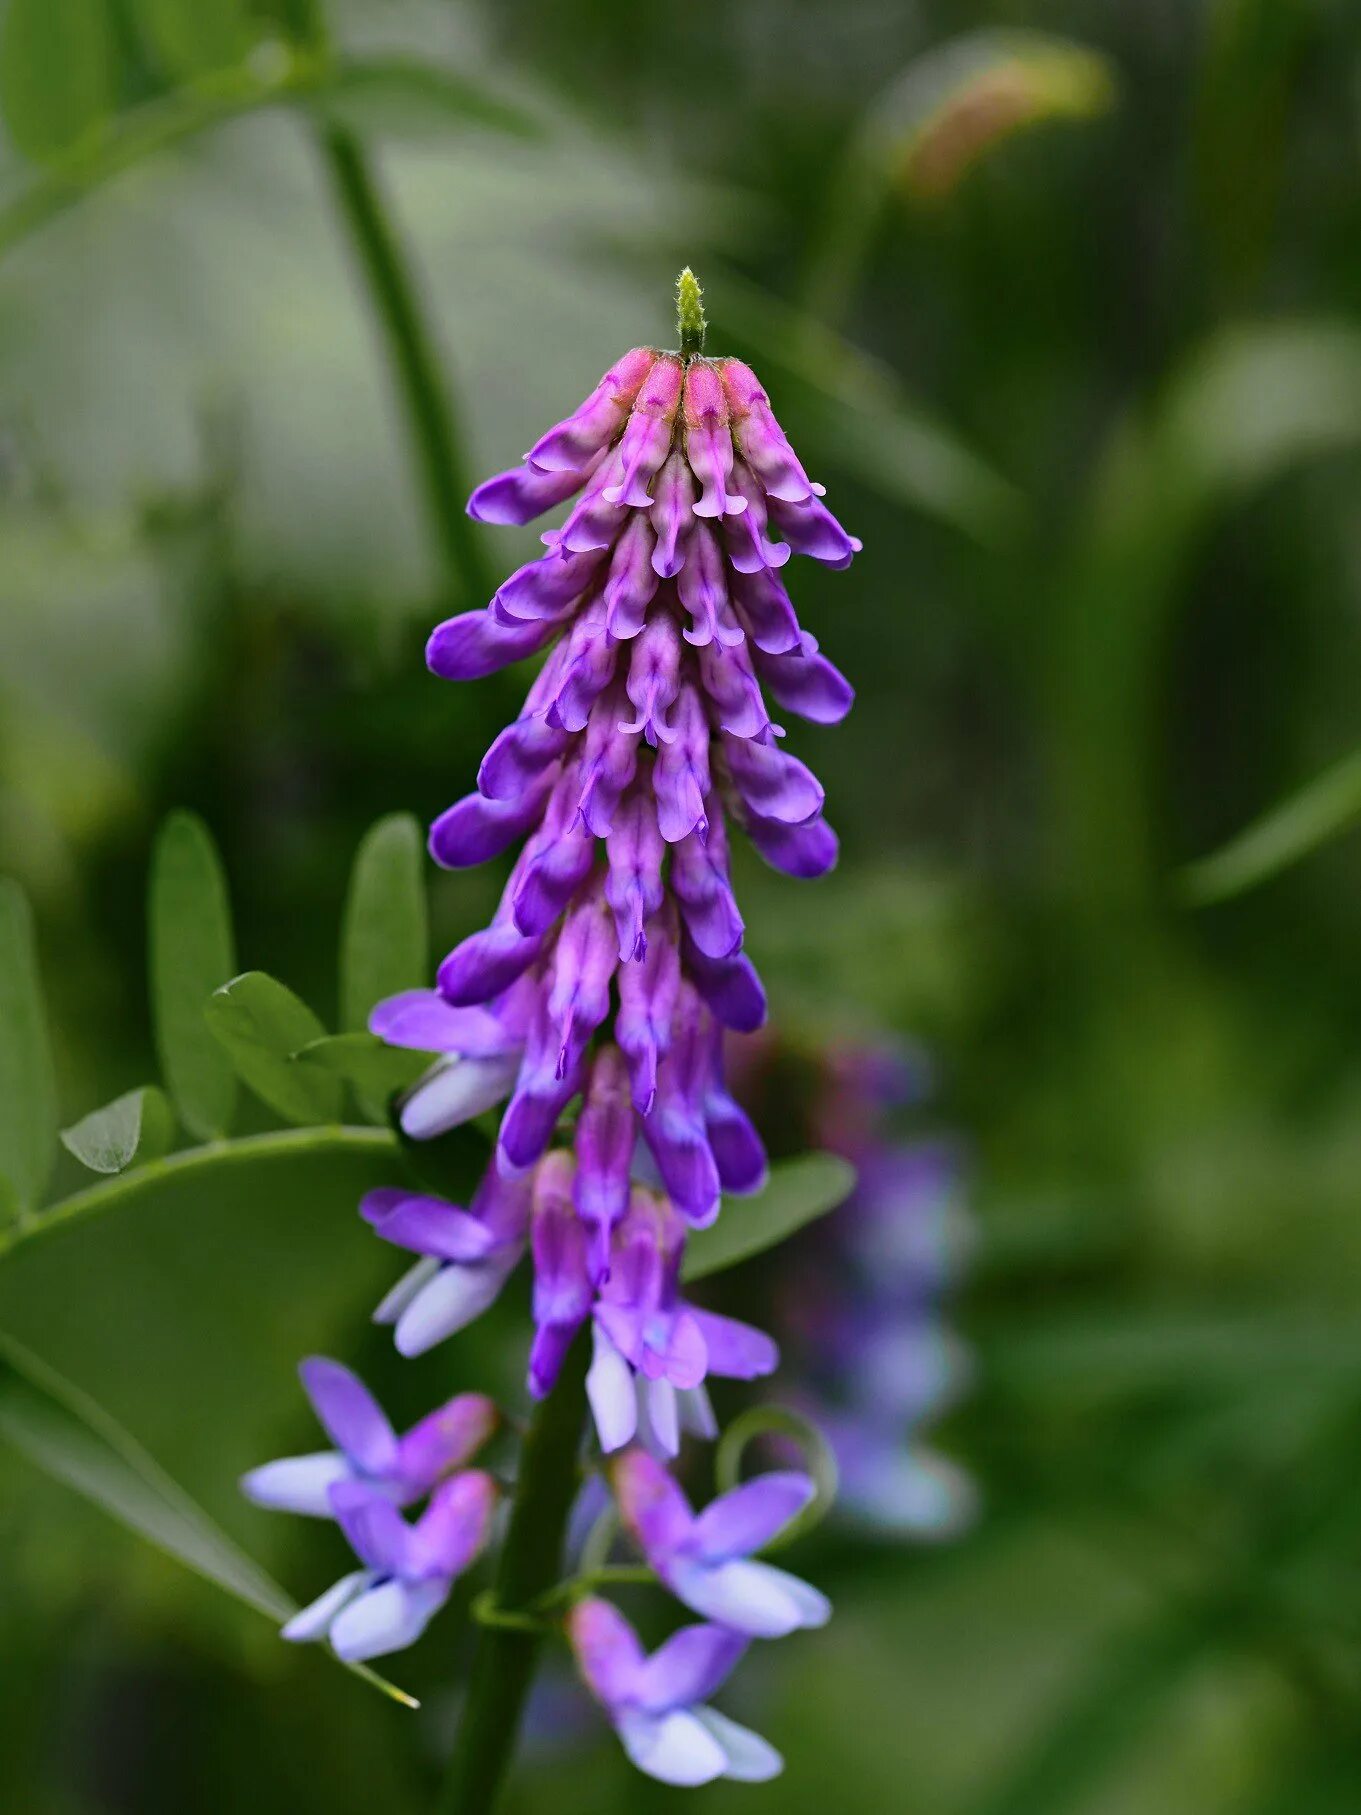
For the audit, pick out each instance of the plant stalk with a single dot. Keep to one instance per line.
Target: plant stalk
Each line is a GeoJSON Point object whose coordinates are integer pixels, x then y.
{"type": "Point", "coordinates": [425, 392]}
{"type": "Point", "coordinates": [530, 1563]}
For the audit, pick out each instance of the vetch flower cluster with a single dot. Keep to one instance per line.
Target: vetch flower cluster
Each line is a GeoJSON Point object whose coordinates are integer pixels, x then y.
{"type": "Point", "coordinates": [605, 980]}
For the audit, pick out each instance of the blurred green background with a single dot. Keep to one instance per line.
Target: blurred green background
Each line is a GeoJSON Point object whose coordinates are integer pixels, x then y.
{"type": "Point", "coordinates": [1063, 303]}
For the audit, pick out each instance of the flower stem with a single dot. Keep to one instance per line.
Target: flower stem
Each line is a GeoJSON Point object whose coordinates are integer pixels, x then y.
{"type": "Point", "coordinates": [430, 412]}
{"type": "Point", "coordinates": [530, 1563]}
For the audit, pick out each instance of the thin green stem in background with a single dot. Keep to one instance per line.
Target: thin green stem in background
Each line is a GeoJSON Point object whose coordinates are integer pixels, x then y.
{"type": "Point", "coordinates": [530, 1563]}
{"type": "Point", "coordinates": [424, 388]}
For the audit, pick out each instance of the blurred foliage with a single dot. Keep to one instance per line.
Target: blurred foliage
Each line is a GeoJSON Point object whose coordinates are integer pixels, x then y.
{"type": "Point", "coordinates": [1094, 404]}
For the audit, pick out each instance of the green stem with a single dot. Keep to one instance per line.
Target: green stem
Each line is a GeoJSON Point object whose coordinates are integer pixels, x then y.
{"type": "Point", "coordinates": [531, 1561]}
{"type": "Point", "coordinates": [430, 411]}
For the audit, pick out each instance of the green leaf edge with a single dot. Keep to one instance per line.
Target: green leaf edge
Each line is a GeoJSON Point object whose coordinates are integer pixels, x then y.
{"type": "Point", "coordinates": [733, 1249]}
{"type": "Point", "coordinates": [95, 1199]}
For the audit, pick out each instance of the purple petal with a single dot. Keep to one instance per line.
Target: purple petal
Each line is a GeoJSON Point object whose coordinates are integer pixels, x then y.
{"type": "Point", "coordinates": [730, 986]}
{"type": "Point", "coordinates": [525, 492]}
{"type": "Point", "coordinates": [350, 1414]}
{"type": "Point", "coordinates": [737, 1351]}
{"type": "Point", "coordinates": [444, 1439]}
{"type": "Point", "coordinates": [427, 1225]}
{"type": "Point", "coordinates": [688, 1667]}
{"type": "Point", "coordinates": [448, 1302]}
{"type": "Point", "coordinates": [745, 1520]}
{"type": "Point", "coordinates": [606, 1649]}
{"type": "Point", "coordinates": [455, 1525]}
{"type": "Point", "coordinates": [773, 784]}
{"type": "Point", "coordinates": [476, 829]}
{"type": "Point", "coordinates": [804, 681]}
{"type": "Point", "coordinates": [595, 422]}
{"type": "Point", "coordinates": [805, 851]}
{"type": "Point", "coordinates": [651, 1505]}
{"type": "Point", "coordinates": [376, 1532]}
{"type": "Point", "coordinates": [737, 1148]}
{"type": "Point", "coordinates": [485, 964]}
{"type": "Point", "coordinates": [475, 644]}
{"type": "Point", "coordinates": [424, 1021]}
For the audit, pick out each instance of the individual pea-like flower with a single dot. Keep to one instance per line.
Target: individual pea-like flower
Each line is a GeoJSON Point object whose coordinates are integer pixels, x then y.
{"type": "Point", "coordinates": [368, 1452]}
{"type": "Point", "coordinates": [652, 1350]}
{"type": "Point", "coordinates": [409, 1570]}
{"type": "Point", "coordinates": [707, 1559]}
{"type": "Point", "coordinates": [481, 1050]}
{"type": "Point", "coordinates": [657, 1704]}
{"type": "Point", "coordinates": [466, 1255]}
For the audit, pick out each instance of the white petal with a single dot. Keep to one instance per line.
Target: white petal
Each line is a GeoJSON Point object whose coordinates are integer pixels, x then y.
{"type": "Point", "coordinates": [751, 1759]}
{"type": "Point", "coordinates": [609, 1387]}
{"type": "Point", "coordinates": [454, 1091]}
{"type": "Point", "coordinates": [674, 1748]}
{"type": "Point", "coordinates": [661, 1416]}
{"type": "Point", "coordinates": [748, 1596]}
{"type": "Point", "coordinates": [452, 1299]}
{"type": "Point", "coordinates": [405, 1290]}
{"type": "Point", "coordinates": [312, 1622]}
{"type": "Point", "coordinates": [298, 1484]}
{"type": "Point", "coordinates": [697, 1413]}
{"type": "Point", "coordinates": [387, 1618]}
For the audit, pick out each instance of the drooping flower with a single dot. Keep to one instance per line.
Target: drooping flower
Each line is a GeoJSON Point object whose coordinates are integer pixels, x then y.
{"type": "Point", "coordinates": [657, 1704]}
{"type": "Point", "coordinates": [409, 1570]}
{"type": "Point", "coordinates": [369, 1453]}
{"type": "Point", "coordinates": [706, 1559]}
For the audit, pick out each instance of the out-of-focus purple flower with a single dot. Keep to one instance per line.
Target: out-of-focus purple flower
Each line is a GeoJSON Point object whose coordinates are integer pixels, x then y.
{"type": "Point", "coordinates": [707, 1560]}
{"type": "Point", "coordinates": [657, 1705]}
{"type": "Point", "coordinates": [653, 1351]}
{"type": "Point", "coordinates": [368, 1451]}
{"type": "Point", "coordinates": [408, 1570]}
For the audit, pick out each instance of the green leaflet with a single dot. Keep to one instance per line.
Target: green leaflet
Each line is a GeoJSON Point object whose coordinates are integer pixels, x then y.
{"type": "Point", "coordinates": [194, 37]}
{"type": "Point", "coordinates": [799, 1191]}
{"type": "Point", "coordinates": [135, 1127]}
{"type": "Point", "coordinates": [261, 1024]}
{"type": "Point", "coordinates": [384, 941]}
{"type": "Point", "coordinates": [191, 953]}
{"type": "Point", "coordinates": [375, 1070]}
{"type": "Point", "coordinates": [56, 73]}
{"type": "Point", "coordinates": [28, 1110]}
{"type": "Point", "coordinates": [64, 1432]}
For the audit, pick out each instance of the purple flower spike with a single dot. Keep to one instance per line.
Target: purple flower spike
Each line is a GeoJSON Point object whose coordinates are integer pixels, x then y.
{"type": "Point", "coordinates": [409, 1570]}
{"type": "Point", "coordinates": [657, 1704]}
{"type": "Point", "coordinates": [707, 1561]}
{"type": "Point", "coordinates": [398, 1469]}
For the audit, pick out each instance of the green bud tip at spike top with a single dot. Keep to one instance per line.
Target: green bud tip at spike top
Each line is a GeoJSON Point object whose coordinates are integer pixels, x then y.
{"type": "Point", "coordinates": [690, 322]}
